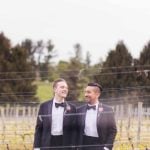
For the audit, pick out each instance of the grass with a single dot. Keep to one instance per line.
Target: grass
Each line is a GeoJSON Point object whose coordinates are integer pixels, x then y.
{"type": "Point", "coordinates": [44, 91]}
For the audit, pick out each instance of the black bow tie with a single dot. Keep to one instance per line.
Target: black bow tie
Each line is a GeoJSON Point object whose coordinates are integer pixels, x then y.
{"type": "Point", "coordinates": [91, 107]}
{"type": "Point", "coordinates": [59, 105]}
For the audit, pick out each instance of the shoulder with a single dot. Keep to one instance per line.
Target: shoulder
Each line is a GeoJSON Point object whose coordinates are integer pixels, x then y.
{"type": "Point", "coordinates": [44, 107]}
{"type": "Point", "coordinates": [71, 104]}
{"type": "Point", "coordinates": [82, 107]}
{"type": "Point", "coordinates": [107, 108]}
{"type": "Point", "coordinates": [73, 107]}
{"type": "Point", "coordinates": [46, 103]}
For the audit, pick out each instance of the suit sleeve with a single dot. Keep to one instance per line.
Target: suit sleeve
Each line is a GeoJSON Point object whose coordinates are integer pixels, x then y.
{"type": "Point", "coordinates": [112, 130]}
{"type": "Point", "coordinates": [74, 127]}
{"type": "Point", "coordinates": [38, 129]}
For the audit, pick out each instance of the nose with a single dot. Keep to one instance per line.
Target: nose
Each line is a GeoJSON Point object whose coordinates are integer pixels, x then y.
{"type": "Point", "coordinates": [85, 94]}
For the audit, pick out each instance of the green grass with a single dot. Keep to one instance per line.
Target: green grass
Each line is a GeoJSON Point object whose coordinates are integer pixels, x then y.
{"type": "Point", "coordinates": [44, 91]}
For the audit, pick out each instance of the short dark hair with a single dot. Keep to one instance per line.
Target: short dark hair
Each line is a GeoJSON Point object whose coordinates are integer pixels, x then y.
{"type": "Point", "coordinates": [96, 85]}
{"type": "Point", "coordinates": [58, 80]}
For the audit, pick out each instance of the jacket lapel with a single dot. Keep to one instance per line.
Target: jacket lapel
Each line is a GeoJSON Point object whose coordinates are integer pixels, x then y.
{"type": "Point", "coordinates": [66, 117]}
{"type": "Point", "coordinates": [83, 115]}
{"type": "Point", "coordinates": [66, 108]}
{"type": "Point", "coordinates": [50, 112]}
{"type": "Point", "coordinates": [65, 111]}
{"type": "Point", "coordinates": [99, 117]}
{"type": "Point", "coordinates": [99, 113]}
{"type": "Point", "coordinates": [99, 110]}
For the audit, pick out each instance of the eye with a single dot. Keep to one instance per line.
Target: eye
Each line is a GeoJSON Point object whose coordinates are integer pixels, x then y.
{"type": "Point", "coordinates": [64, 87]}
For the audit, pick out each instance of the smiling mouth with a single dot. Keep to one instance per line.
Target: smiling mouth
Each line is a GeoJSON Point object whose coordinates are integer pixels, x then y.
{"type": "Point", "coordinates": [86, 97]}
{"type": "Point", "coordinates": [64, 92]}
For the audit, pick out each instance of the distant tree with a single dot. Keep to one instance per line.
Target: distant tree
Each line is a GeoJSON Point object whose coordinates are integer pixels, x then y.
{"type": "Point", "coordinates": [46, 67]}
{"type": "Point", "coordinates": [145, 55]}
{"type": "Point", "coordinates": [144, 72]}
{"type": "Point", "coordinates": [16, 76]}
{"type": "Point", "coordinates": [114, 72]}
{"type": "Point", "coordinates": [40, 54]}
{"type": "Point", "coordinates": [88, 59]}
{"type": "Point", "coordinates": [62, 68]}
{"type": "Point", "coordinates": [78, 52]}
{"type": "Point", "coordinates": [5, 67]}
{"type": "Point", "coordinates": [31, 50]}
{"type": "Point", "coordinates": [24, 74]}
{"type": "Point", "coordinates": [71, 74]}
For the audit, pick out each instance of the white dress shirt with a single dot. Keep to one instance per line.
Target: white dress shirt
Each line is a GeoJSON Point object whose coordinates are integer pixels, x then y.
{"type": "Point", "coordinates": [91, 122]}
{"type": "Point", "coordinates": [57, 119]}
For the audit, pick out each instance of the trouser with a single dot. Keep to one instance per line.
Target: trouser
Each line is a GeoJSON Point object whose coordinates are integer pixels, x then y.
{"type": "Point", "coordinates": [91, 143]}
{"type": "Point", "coordinates": [56, 142]}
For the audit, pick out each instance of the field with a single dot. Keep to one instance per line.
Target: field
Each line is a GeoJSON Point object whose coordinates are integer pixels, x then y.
{"type": "Point", "coordinates": [44, 91]}
{"type": "Point", "coordinates": [18, 133]}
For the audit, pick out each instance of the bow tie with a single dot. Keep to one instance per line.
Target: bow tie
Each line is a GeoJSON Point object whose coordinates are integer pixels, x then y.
{"type": "Point", "coordinates": [91, 107]}
{"type": "Point", "coordinates": [59, 105]}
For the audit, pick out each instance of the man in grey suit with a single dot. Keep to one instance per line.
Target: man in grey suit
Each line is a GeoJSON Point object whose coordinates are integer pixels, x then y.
{"type": "Point", "coordinates": [96, 127]}
{"type": "Point", "coordinates": [55, 125]}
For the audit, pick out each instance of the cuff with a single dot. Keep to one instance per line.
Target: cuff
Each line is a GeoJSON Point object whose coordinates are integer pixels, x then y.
{"type": "Point", "coordinates": [105, 148]}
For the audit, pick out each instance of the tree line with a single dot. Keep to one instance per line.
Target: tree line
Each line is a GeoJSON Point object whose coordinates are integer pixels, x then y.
{"type": "Point", "coordinates": [123, 77]}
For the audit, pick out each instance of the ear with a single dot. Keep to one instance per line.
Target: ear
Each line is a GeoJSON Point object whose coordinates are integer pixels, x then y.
{"type": "Point", "coordinates": [55, 88]}
{"type": "Point", "coordinates": [99, 94]}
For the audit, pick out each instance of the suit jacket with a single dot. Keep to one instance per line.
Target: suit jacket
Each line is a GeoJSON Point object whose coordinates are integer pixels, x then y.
{"type": "Point", "coordinates": [42, 135]}
{"type": "Point", "coordinates": [106, 126]}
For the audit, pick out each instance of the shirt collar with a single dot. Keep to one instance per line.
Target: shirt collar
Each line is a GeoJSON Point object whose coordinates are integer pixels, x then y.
{"type": "Point", "coordinates": [55, 101]}
{"type": "Point", "coordinates": [96, 104]}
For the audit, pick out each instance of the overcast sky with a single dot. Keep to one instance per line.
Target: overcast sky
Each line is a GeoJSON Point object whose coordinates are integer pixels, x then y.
{"type": "Point", "coordinates": [96, 24]}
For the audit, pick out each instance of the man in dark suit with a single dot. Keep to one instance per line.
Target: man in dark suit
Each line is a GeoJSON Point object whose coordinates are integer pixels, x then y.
{"type": "Point", "coordinates": [56, 121]}
{"type": "Point", "coordinates": [96, 125]}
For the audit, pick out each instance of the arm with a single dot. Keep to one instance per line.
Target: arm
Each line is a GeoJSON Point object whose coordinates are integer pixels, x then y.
{"type": "Point", "coordinates": [112, 130]}
{"type": "Point", "coordinates": [38, 130]}
{"type": "Point", "coordinates": [73, 125]}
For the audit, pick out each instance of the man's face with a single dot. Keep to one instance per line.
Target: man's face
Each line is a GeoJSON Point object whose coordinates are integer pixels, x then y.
{"type": "Point", "coordinates": [61, 89]}
{"type": "Point", "coordinates": [91, 94]}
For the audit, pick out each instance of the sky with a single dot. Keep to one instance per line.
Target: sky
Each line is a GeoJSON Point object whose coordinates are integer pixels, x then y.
{"type": "Point", "coordinates": [97, 25]}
